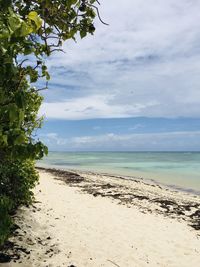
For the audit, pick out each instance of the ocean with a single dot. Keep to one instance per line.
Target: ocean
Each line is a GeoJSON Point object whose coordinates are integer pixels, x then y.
{"type": "Point", "coordinates": [180, 170]}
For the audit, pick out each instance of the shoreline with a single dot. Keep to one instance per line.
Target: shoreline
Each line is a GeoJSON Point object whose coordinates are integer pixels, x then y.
{"type": "Point", "coordinates": [91, 220]}
{"type": "Point", "coordinates": [128, 177]}
{"type": "Point", "coordinates": [172, 202]}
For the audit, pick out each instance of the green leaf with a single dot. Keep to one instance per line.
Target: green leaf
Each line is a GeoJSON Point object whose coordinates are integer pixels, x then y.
{"type": "Point", "coordinates": [14, 22]}
{"type": "Point", "coordinates": [4, 33]}
{"type": "Point", "coordinates": [46, 150]}
{"type": "Point", "coordinates": [20, 99]}
{"type": "Point", "coordinates": [20, 139]}
{"type": "Point", "coordinates": [83, 33]}
{"type": "Point", "coordinates": [48, 77]}
{"type": "Point", "coordinates": [13, 113]}
{"type": "Point", "coordinates": [21, 115]}
{"type": "Point", "coordinates": [25, 29]}
{"type": "Point", "coordinates": [4, 139]}
{"type": "Point", "coordinates": [71, 2]}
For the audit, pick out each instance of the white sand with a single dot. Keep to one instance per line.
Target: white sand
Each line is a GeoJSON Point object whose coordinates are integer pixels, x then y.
{"type": "Point", "coordinates": [89, 231]}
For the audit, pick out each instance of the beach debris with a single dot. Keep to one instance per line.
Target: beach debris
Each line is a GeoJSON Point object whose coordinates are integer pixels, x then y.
{"type": "Point", "coordinates": [10, 252]}
{"type": "Point", "coordinates": [107, 186]}
{"type": "Point", "coordinates": [5, 258]}
{"type": "Point", "coordinates": [67, 177]}
{"type": "Point", "coordinates": [196, 218]}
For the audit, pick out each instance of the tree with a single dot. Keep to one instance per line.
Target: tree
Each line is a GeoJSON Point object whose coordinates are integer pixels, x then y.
{"type": "Point", "coordinates": [30, 31]}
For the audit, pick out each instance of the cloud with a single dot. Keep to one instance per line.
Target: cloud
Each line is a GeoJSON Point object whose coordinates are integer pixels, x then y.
{"type": "Point", "coordinates": [171, 141]}
{"type": "Point", "coordinates": [53, 139]}
{"type": "Point", "coordinates": [97, 106]}
{"type": "Point", "coordinates": [145, 63]}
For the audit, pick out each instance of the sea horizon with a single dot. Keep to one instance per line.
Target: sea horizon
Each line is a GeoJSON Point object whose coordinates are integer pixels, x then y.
{"type": "Point", "coordinates": [131, 151]}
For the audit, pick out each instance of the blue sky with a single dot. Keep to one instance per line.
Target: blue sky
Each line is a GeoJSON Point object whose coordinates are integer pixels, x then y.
{"type": "Point", "coordinates": [134, 85]}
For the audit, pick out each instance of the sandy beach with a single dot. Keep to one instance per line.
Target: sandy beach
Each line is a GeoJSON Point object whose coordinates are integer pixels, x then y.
{"type": "Point", "coordinates": [92, 220]}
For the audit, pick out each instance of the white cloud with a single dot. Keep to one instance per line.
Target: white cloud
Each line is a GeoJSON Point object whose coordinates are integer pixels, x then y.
{"type": "Point", "coordinates": [53, 139]}
{"type": "Point", "coordinates": [146, 63]}
{"type": "Point", "coordinates": [97, 106]}
{"type": "Point", "coordinates": [132, 142]}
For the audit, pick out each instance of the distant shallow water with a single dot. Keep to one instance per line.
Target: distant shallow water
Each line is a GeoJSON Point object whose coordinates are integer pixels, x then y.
{"type": "Point", "coordinates": [177, 169]}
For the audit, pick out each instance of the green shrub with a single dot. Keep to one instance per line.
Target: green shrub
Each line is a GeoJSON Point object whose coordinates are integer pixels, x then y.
{"type": "Point", "coordinates": [5, 220]}
{"type": "Point", "coordinates": [17, 179]}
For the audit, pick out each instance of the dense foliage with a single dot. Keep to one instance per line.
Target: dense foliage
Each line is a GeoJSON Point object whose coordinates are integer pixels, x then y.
{"type": "Point", "coordinates": [30, 30]}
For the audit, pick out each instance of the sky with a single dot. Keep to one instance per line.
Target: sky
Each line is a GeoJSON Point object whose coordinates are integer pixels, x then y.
{"type": "Point", "coordinates": [133, 86]}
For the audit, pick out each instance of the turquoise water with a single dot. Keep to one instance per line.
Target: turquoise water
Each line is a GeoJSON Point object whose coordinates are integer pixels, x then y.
{"type": "Point", "coordinates": [179, 169]}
